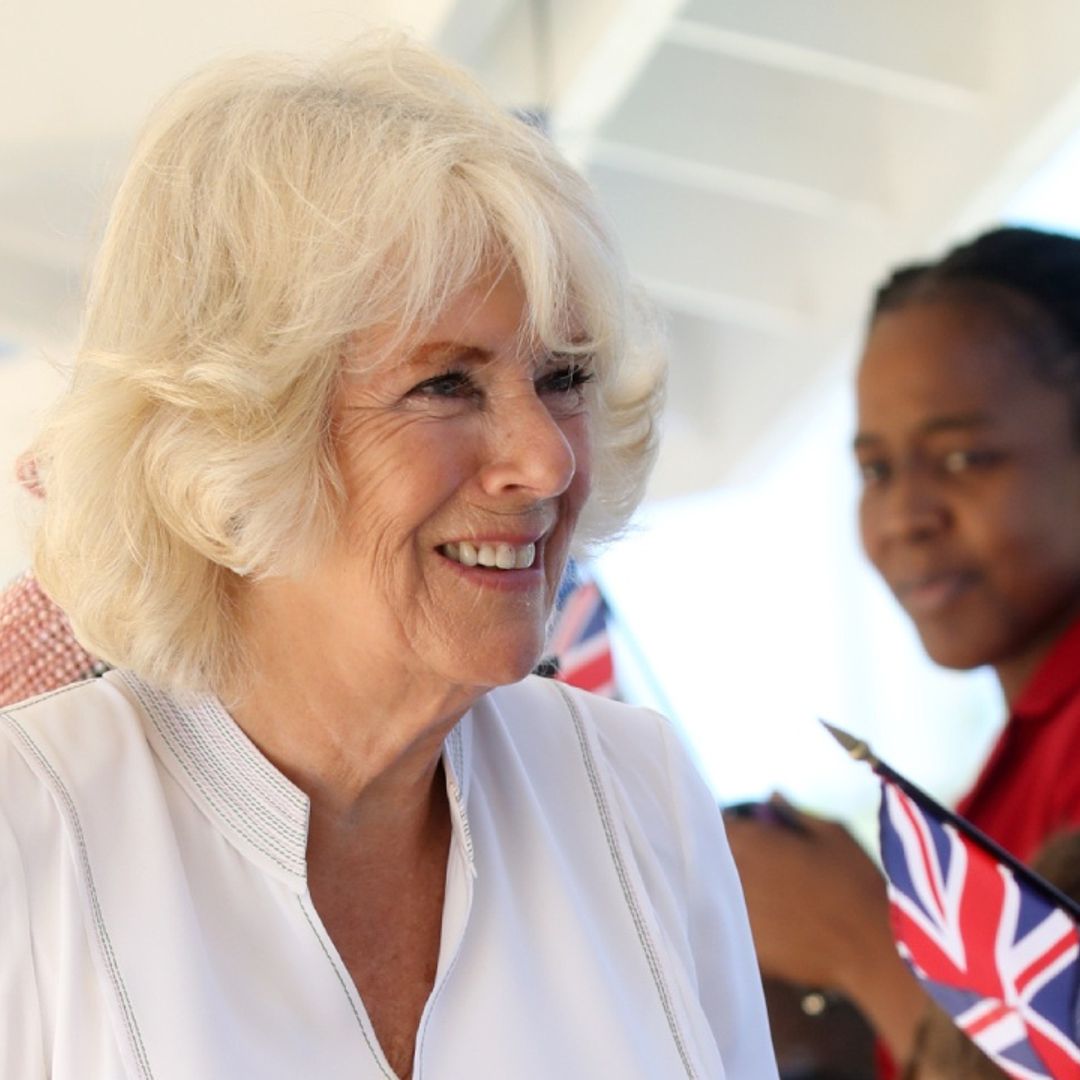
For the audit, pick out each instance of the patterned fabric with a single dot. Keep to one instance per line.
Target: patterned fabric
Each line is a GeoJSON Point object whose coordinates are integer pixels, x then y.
{"type": "Point", "coordinates": [998, 957]}
{"type": "Point", "coordinates": [38, 650]}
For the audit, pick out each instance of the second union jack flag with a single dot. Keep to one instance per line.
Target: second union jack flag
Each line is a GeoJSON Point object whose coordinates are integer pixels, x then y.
{"type": "Point", "coordinates": [579, 641]}
{"type": "Point", "coordinates": [998, 957]}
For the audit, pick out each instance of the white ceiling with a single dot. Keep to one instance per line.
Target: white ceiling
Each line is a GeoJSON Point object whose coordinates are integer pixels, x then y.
{"type": "Point", "coordinates": [767, 160]}
{"type": "Point", "coordinates": [764, 160]}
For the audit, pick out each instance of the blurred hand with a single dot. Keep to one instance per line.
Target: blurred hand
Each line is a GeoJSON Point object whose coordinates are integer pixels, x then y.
{"type": "Point", "coordinates": [814, 897]}
{"type": "Point", "coordinates": [819, 916]}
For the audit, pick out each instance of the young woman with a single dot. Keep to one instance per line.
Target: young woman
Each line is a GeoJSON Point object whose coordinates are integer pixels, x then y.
{"type": "Point", "coordinates": [969, 447]}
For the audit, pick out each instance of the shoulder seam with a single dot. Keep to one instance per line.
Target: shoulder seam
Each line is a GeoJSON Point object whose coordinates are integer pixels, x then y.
{"type": "Point", "coordinates": [101, 930]}
{"type": "Point", "coordinates": [648, 946]}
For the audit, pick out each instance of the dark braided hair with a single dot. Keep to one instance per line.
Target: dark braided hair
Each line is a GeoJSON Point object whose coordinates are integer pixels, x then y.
{"type": "Point", "coordinates": [1026, 279]}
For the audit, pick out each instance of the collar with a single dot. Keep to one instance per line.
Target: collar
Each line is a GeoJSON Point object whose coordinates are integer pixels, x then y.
{"type": "Point", "coordinates": [262, 812]}
{"type": "Point", "coordinates": [457, 761]}
{"type": "Point", "coordinates": [1056, 678]}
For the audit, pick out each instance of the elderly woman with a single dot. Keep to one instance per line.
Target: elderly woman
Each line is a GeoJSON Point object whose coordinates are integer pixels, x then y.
{"type": "Point", "coordinates": [358, 369]}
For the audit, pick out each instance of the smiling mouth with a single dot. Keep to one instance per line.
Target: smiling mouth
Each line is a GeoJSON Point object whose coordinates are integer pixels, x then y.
{"type": "Point", "coordinates": [927, 596]}
{"type": "Point", "coordinates": [491, 556]}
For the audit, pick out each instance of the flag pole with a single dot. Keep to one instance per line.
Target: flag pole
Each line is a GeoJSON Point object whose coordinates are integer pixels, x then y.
{"type": "Point", "coordinates": [860, 751]}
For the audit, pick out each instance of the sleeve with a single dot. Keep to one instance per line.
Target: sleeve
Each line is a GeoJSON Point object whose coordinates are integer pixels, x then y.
{"type": "Point", "coordinates": [729, 982]}
{"type": "Point", "coordinates": [22, 1051]}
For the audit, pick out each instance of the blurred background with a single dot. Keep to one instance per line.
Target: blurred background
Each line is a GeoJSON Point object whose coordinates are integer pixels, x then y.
{"type": "Point", "coordinates": [765, 162]}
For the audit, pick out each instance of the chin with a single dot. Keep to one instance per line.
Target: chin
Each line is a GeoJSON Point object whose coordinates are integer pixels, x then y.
{"type": "Point", "coordinates": [955, 655]}
{"type": "Point", "coordinates": [497, 668]}
{"type": "Point", "coordinates": [504, 675]}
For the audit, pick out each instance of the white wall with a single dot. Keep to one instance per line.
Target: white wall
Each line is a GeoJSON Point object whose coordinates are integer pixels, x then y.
{"type": "Point", "coordinates": [758, 614]}
{"type": "Point", "coordinates": [28, 383]}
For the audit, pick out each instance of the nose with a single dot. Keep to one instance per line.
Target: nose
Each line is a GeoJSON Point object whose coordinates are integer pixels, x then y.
{"type": "Point", "coordinates": [908, 509]}
{"type": "Point", "coordinates": [529, 451]}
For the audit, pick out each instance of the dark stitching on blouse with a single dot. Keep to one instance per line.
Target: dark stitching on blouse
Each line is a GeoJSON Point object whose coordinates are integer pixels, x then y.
{"type": "Point", "coordinates": [457, 752]}
{"type": "Point", "coordinates": [234, 816]}
{"type": "Point", "coordinates": [199, 744]}
{"type": "Point", "coordinates": [455, 781]}
{"type": "Point", "coordinates": [217, 767]}
{"type": "Point", "coordinates": [345, 987]}
{"type": "Point", "coordinates": [458, 756]}
{"type": "Point", "coordinates": [19, 706]}
{"type": "Point", "coordinates": [130, 1023]}
{"type": "Point", "coordinates": [268, 847]}
{"type": "Point", "coordinates": [651, 956]}
{"type": "Point", "coordinates": [209, 710]}
{"type": "Point", "coordinates": [218, 731]}
{"type": "Point", "coordinates": [226, 726]}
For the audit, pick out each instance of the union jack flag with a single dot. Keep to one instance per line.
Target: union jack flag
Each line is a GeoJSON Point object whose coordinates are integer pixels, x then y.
{"type": "Point", "coordinates": [998, 957]}
{"type": "Point", "coordinates": [579, 641]}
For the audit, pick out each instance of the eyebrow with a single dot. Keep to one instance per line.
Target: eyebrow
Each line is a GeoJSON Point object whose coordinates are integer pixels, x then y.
{"type": "Point", "coordinates": [934, 426]}
{"type": "Point", "coordinates": [461, 353]}
{"type": "Point", "coordinates": [478, 355]}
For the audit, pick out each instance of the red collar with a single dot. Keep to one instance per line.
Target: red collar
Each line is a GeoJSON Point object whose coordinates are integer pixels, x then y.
{"type": "Point", "coordinates": [1056, 678]}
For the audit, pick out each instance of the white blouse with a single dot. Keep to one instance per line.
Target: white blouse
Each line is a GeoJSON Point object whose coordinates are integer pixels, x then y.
{"type": "Point", "coordinates": [155, 921]}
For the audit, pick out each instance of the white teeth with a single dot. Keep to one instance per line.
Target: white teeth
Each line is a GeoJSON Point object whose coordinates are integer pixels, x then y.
{"type": "Point", "coordinates": [492, 556]}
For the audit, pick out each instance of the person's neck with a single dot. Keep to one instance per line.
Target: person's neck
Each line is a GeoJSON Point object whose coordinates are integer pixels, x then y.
{"type": "Point", "coordinates": [1015, 673]}
{"type": "Point", "coordinates": [356, 722]}
{"type": "Point", "coordinates": [364, 750]}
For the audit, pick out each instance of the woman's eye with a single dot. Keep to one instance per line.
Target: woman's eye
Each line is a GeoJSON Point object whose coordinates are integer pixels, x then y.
{"type": "Point", "coordinates": [873, 472]}
{"type": "Point", "coordinates": [564, 380]}
{"type": "Point", "coordinates": [960, 461]}
{"type": "Point", "coordinates": [450, 384]}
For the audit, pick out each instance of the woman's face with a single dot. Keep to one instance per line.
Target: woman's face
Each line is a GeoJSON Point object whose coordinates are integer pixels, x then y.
{"type": "Point", "coordinates": [970, 505]}
{"type": "Point", "coordinates": [465, 465]}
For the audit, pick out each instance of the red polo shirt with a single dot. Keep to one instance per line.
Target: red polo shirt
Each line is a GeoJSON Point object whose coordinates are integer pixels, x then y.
{"type": "Point", "coordinates": [1029, 787]}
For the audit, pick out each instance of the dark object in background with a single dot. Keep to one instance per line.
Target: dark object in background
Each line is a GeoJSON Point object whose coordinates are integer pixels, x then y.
{"type": "Point", "coordinates": [816, 1035]}
{"type": "Point", "coordinates": [833, 1044]}
{"type": "Point", "coordinates": [547, 668]}
{"type": "Point", "coordinates": [775, 812]}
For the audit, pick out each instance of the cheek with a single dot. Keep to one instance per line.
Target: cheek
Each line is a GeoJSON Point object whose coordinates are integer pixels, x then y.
{"type": "Point", "coordinates": [366, 457]}
{"type": "Point", "coordinates": [578, 434]}
{"type": "Point", "coordinates": [1010, 524]}
{"type": "Point", "coordinates": [394, 477]}
{"type": "Point", "coordinates": [1021, 539]}
{"type": "Point", "coordinates": [868, 533]}
{"type": "Point", "coordinates": [1030, 553]}
{"type": "Point", "coordinates": [395, 459]}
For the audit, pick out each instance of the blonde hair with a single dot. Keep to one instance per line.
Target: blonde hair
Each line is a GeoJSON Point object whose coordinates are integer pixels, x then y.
{"type": "Point", "coordinates": [273, 213]}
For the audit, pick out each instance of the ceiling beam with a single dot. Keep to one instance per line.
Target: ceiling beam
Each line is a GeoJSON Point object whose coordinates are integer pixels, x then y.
{"type": "Point", "coordinates": [786, 323]}
{"type": "Point", "coordinates": [468, 27]}
{"type": "Point", "coordinates": [749, 187]}
{"type": "Point", "coordinates": [789, 56]}
{"type": "Point", "coordinates": [604, 74]}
